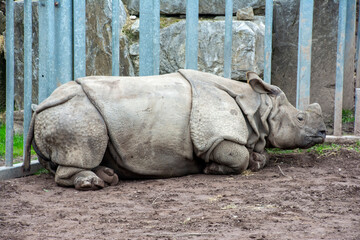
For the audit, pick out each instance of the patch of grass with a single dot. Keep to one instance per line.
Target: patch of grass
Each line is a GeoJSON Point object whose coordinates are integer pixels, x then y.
{"type": "Point", "coordinates": [42, 171]}
{"type": "Point", "coordinates": [17, 146]}
{"type": "Point", "coordinates": [325, 147]}
{"type": "Point", "coordinates": [282, 151]}
{"type": "Point", "coordinates": [347, 116]}
{"type": "Point", "coordinates": [319, 149]}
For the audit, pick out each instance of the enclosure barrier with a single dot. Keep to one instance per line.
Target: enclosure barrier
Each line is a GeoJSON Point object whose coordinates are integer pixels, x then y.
{"type": "Point", "coordinates": [63, 59]}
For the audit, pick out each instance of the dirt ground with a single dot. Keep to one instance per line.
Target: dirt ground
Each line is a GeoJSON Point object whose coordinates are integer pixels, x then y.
{"type": "Point", "coordinates": [297, 196]}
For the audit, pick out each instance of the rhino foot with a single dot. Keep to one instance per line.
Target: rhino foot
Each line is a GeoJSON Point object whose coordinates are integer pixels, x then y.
{"type": "Point", "coordinates": [87, 180]}
{"type": "Point", "coordinates": [258, 160]}
{"type": "Point", "coordinates": [107, 175]}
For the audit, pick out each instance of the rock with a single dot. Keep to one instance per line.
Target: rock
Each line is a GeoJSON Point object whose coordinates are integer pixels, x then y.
{"type": "Point", "coordinates": [323, 62]}
{"type": "Point", "coordinates": [245, 14]}
{"type": "Point", "coordinates": [98, 36]}
{"type": "Point", "coordinates": [98, 44]}
{"type": "Point", "coordinates": [209, 7]}
{"type": "Point", "coordinates": [248, 47]}
{"type": "Point", "coordinates": [2, 22]}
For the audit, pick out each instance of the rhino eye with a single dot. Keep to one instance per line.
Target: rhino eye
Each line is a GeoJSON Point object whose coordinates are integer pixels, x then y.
{"type": "Point", "coordinates": [300, 118]}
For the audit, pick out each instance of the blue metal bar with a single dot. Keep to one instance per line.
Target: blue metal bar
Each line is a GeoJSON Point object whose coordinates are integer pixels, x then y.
{"type": "Point", "coordinates": [350, 40]}
{"type": "Point", "coordinates": [50, 12]}
{"type": "Point", "coordinates": [192, 22]}
{"type": "Point", "coordinates": [357, 57]}
{"type": "Point", "coordinates": [27, 66]}
{"type": "Point", "coordinates": [357, 112]}
{"type": "Point", "coordinates": [146, 35]}
{"type": "Point", "coordinates": [268, 40]}
{"type": "Point", "coordinates": [156, 36]}
{"type": "Point", "coordinates": [43, 84]}
{"type": "Point", "coordinates": [115, 25]}
{"type": "Point", "coordinates": [79, 7]}
{"type": "Point", "coordinates": [64, 40]}
{"type": "Point", "coordinates": [9, 82]}
{"type": "Point", "coordinates": [340, 60]}
{"type": "Point", "coordinates": [304, 54]}
{"type": "Point", "coordinates": [228, 38]}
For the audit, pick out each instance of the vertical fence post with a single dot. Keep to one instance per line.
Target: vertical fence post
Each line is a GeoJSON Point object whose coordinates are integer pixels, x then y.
{"type": "Point", "coordinates": [79, 7]}
{"type": "Point", "coordinates": [304, 54]}
{"type": "Point", "coordinates": [115, 38]}
{"type": "Point", "coordinates": [9, 82]}
{"type": "Point", "coordinates": [228, 38]}
{"type": "Point", "coordinates": [357, 84]}
{"type": "Point", "coordinates": [357, 112]}
{"type": "Point", "coordinates": [350, 40]}
{"type": "Point", "coordinates": [149, 49]}
{"type": "Point", "coordinates": [145, 49]}
{"type": "Point", "coordinates": [43, 84]}
{"type": "Point", "coordinates": [50, 12]}
{"type": "Point", "coordinates": [192, 22]}
{"type": "Point", "coordinates": [156, 37]}
{"type": "Point", "coordinates": [340, 60]}
{"type": "Point", "coordinates": [268, 40]}
{"type": "Point", "coordinates": [64, 41]}
{"type": "Point", "coordinates": [27, 66]}
{"type": "Point", "coordinates": [358, 55]}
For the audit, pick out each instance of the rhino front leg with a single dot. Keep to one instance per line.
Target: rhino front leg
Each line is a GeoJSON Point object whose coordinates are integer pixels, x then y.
{"type": "Point", "coordinates": [228, 158]}
{"type": "Point", "coordinates": [107, 175]}
{"type": "Point", "coordinates": [258, 160]}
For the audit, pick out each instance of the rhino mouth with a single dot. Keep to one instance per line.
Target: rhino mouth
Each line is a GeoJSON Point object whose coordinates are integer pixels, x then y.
{"type": "Point", "coordinates": [312, 140]}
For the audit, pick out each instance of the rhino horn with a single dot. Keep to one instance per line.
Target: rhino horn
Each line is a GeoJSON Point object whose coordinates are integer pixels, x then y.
{"type": "Point", "coordinates": [259, 86]}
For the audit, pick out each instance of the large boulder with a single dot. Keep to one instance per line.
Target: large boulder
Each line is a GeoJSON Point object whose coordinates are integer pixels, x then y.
{"type": "Point", "coordinates": [98, 44]}
{"type": "Point", "coordinates": [323, 62]}
{"type": "Point", "coordinates": [208, 7]}
{"type": "Point", "coordinates": [247, 47]}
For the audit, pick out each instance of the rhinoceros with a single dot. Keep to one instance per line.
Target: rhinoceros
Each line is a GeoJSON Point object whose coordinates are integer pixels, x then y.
{"type": "Point", "coordinates": [92, 131]}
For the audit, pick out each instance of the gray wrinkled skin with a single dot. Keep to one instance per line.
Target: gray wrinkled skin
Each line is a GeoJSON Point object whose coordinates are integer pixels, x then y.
{"type": "Point", "coordinates": [91, 132]}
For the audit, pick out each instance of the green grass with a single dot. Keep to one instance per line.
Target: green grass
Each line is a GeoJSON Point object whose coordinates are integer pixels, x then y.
{"type": "Point", "coordinates": [347, 116]}
{"type": "Point", "coordinates": [319, 149]}
{"type": "Point", "coordinates": [42, 171]}
{"type": "Point", "coordinates": [18, 143]}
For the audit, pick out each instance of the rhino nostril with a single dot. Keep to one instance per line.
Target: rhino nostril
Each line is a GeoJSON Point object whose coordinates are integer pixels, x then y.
{"type": "Point", "coordinates": [321, 133]}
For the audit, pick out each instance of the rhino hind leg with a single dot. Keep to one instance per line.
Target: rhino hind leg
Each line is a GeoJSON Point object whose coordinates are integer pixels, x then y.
{"type": "Point", "coordinates": [79, 178]}
{"type": "Point", "coordinates": [73, 136]}
{"type": "Point", "coordinates": [228, 158]}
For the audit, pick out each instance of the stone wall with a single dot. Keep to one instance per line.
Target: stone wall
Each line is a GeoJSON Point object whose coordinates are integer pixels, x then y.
{"type": "Point", "coordinates": [206, 7]}
{"type": "Point", "coordinates": [248, 47]}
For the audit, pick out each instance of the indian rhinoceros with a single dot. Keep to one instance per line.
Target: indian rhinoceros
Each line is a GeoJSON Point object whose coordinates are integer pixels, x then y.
{"type": "Point", "coordinates": [94, 130]}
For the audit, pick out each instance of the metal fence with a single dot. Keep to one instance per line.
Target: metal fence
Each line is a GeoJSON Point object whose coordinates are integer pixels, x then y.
{"type": "Point", "coordinates": [63, 60]}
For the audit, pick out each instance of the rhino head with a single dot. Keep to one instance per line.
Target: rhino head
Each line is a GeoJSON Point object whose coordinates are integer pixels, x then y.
{"type": "Point", "coordinates": [289, 127]}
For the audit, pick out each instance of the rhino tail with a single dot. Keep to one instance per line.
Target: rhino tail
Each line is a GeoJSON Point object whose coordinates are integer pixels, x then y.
{"type": "Point", "coordinates": [29, 138]}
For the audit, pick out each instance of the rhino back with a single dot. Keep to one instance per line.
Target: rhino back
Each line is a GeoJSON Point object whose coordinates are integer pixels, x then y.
{"type": "Point", "coordinates": [147, 120]}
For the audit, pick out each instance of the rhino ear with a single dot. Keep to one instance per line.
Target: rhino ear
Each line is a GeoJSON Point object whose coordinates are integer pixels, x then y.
{"type": "Point", "coordinates": [259, 86]}
{"type": "Point", "coordinates": [314, 107]}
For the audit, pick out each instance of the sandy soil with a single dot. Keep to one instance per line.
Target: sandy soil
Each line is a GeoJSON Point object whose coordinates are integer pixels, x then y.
{"type": "Point", "coordinates": [297, 196]}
